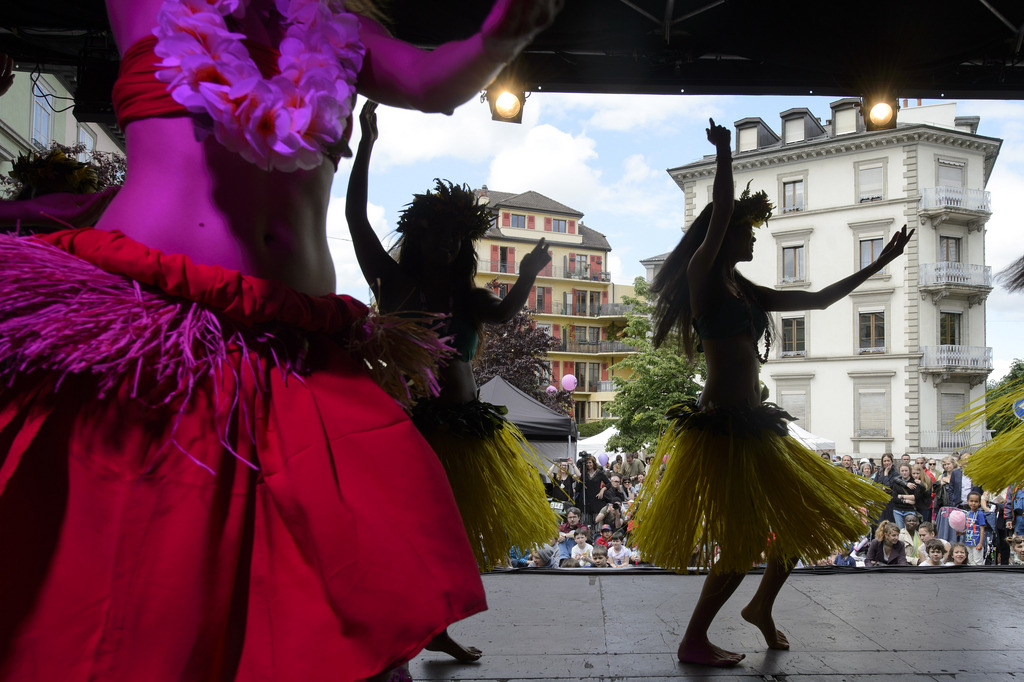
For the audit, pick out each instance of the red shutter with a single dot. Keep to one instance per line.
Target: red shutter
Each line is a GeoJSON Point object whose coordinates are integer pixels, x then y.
{"type": "Point", "coordinates": [572, 262]}
{"type": "Point", "coordinates": [546, 272]}
{"type": "Point", "coordinates": [556, 331]}
{"type": "Point", "coordinates": [604, 298]}
{"type": "Point", "coordinates": [533, 298]}
{"type": "Point", "coordinates": [595, 264]}
{"type": "Point", "coordinates": [572, 227]}
{"type": "Point", "coordinates": [506, 219]}
{"type": "Point", "coordinates": [494, 257]}
{"type": "Point", "coordinates": [511, 267]}
{"type": "Point", "coordinates": [530, 223]}
{"type": "Point", "coordinates": [604, 333]}
{"type": "Point", "coordinates": [572, 305]}
{"type": "Point", "coordinates": [547, 224]}
{"type": "Point", "coordinates": [547, 298]}
{"type": "Point", "coordinates": [604, 371]}
{"type": "Point", "coordinates": [556, 368]}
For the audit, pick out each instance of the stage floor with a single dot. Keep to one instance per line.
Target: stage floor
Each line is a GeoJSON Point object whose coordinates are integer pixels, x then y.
{"type": "Point", "coordinates": [861, 625]}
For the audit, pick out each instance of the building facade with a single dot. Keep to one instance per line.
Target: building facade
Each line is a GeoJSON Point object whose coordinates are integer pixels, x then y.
{"type": "Point", "coordinates": [887, 368]}
{"type": "Point", "coordinates": [573, 299]}
{"type": "Point", "coordinates": [34, 114]}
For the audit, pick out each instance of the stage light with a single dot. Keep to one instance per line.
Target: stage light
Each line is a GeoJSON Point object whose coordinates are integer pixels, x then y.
{"type": "Point", "coordinates": [879, 112]}
{"type": "Point", "coordinates": [506, 104]}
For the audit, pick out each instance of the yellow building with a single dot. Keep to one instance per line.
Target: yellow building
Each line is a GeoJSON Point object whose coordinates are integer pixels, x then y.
{"type": "Point", "coordinates": [574, 298]}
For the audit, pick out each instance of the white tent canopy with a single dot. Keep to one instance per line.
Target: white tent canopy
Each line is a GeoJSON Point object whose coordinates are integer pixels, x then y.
{"type": "Point", "coordinates": [809, 440]}
{"type": "Point", "coordinates": [598, 443]}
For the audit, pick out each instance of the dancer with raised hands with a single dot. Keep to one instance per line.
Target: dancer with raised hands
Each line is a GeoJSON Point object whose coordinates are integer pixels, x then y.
{"type": "Point", "coordinates": [180, 388]}
{"type": "Point", "coordinates": [493, 472]}
{"type": "Point", "coordinates": [733, 478]}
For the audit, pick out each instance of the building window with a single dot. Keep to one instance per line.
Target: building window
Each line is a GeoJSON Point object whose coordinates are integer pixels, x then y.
{"type": "Point", "coordinates": [870, 182]}
{"type": "Point", "coordinates": [594, 334]}
{"type": "Point", "coordinates": [545, 370]}
{"type": "Point", "coordinates": [793, 263]}
{"type": "Point", "coordinates": [546, 328]}
{"type": "Point", "coordinates": [950, 405]}
{"type": "Point", "coordinates": [793, 130]}
{"type": "Point", "coordinates": [87, 138]}
{"type": "Point", "coordinates": [595, 375]}
{"type": "Point", "coordinates": [42, 116]}
{"type": "Point", "coordinates": [949, 249]}
{"type": "Point", "coordinates": [795, 402]}
{"type": "Point", "coordinates": [747, 139]}
{"type": "Point", "coordinates": [507, 259]}
{"type": "Point", "coordinates": [581, 302]}
{"type": "Point", "coordinates": [846, 121]}
{"type": "Point", "coordinates": [517, 220]}
{"type": "Point", "coordinates": [580, 370]}
{"type": "Point", "coordinates": [792, 196]}
{"type": "Point", "coordinates": [502, 290]}
{"type": "Point", "coordinates": [870, 250]}
{"type": "Point", "coordinates": [951, 173]}
{"type": "Point", "coordinates": [595, 303]}
{"type": "Point", "coordinates": [793, 340]}
{"type": "Point", "coordinates": [872, 413]}
{"type": "Point", "coordinates": [540, 299]}
{"type": "Point", "coordinates": [558, 225]}
{"type": "Point", "coordinates": [950, 329]}
{"type": "Point", "coordinates": [872, 332]}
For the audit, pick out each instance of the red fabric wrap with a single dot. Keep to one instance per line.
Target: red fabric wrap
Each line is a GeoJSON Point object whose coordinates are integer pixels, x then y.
{"type": "Point", "coordinates": [124, 560]}
{"type": "Point", "coordinates": [137, 93]}
{"type": "Point", "coordinates": [245, 299]}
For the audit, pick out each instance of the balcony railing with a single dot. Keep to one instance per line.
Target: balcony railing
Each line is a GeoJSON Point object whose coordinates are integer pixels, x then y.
{"type": "Point", "coordinates": [939, 198]}
{"type": "Point", "coordinates": [569, 346]}
{"type": "Point", "coordinates": [955, 275]}
{"type": "Point", "coordinates": [602, 310]}
{"type": "Point", "coordinates": [959, 359]}
{"type": "Point", "coordinates": [954, 440]}
{"type": "Point", "coordinates": [584, 275]}
{"type": "Point", "coordinates": [605, 386]}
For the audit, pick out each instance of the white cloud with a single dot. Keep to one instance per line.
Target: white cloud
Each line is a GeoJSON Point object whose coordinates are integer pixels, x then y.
{"type": "Point", "coordinates": [630, 112]}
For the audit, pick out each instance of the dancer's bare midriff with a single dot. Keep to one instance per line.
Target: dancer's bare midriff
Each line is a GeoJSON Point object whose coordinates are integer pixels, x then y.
{"type": "Point", "coordinates": [198, 199]}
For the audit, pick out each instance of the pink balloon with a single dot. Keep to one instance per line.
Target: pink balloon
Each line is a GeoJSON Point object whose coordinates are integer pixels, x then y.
{"type": "Point", "coordinates": [569, 382]}
{"type": "Point", "coordinates": [603, 459]}
{"type": "Point", "coordinates": [958, 520]}
{"type": "Point", "coordinates": [551, 390]}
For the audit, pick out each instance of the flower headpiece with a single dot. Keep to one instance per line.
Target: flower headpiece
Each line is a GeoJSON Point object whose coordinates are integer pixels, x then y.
{"type": "Point", "coordinates": [753, 207]}
{"type": "Point", "coordinates": [283, 122]}
{"type": "Point", "coordinates": [449, 204]}
{"type": "Point", "coordinates": [54, 171]}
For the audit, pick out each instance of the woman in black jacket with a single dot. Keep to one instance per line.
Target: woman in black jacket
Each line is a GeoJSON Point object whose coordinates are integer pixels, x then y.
{"type": "Point", "coordinates": [589, 487]}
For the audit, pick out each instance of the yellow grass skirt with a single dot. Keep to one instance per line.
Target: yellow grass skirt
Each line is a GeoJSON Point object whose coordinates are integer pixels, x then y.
{"type": "Point", "coordinates": [495, 478]}
{"type": "Point", "coordinates": [1000, 462]}
{"type": "Point", "coordinates": [731, 480]}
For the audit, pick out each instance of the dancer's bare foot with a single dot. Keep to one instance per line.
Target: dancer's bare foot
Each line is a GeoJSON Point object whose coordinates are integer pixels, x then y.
{"type": "Point", "coordinates": [766, 624]}
{"type": "Point", "coordinates": [703, 652]}
{"type": "Point", "coordinates": [445, 644]}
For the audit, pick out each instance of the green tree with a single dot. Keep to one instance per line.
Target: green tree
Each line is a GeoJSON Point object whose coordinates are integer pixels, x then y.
{"type": "Point", "coordinates": [661, 377]}
{"type": "Point", "coordinates": [997, 389]}
{"type": "Point", "coordinates": [516, 351]}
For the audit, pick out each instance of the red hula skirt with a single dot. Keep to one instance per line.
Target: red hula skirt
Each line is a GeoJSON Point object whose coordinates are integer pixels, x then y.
{"type": "Point", "coordinates": [220, 515]}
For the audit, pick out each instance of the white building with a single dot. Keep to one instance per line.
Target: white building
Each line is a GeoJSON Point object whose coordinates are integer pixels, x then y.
{"type": "Point", "coordinates": [34, 114]}
{"type": "Point", "coordinates": [886, 369]}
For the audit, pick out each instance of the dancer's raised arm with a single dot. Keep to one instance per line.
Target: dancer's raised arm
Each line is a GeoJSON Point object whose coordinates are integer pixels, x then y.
{"type": "Point", "coordinates": [722, 206]}
{"type": "Point", "coordinates": [377, 266]}
{"type": "Point", "coordinates": [398, 74]}
{"type": "Point", "coordinates": [819, 300]}
{"type": "Point", "coordinates": [496, 310]}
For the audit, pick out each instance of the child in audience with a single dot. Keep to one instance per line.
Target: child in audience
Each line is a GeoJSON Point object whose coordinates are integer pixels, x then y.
{"type": "Point", "coordinates": [843, 558]}
{"type": "Point", "coordinates": [927, 532]}
{"type": "Point", "coordinates": [959, 554]}
{"type": "Point", "coordinates": [618, 555]}
{"type": "Point", "coordinates": [606, 536]}
{"type": "Point", "coordinates": [974, 536]}
{"type": "Point", "coordinates": [600, 555]}
{"type": "Point", "coordinates": [936, 553]}
{"type": "Point", "coordinates": [1017, 550]}
{"type": "Point", "coordinates": [582, 551]}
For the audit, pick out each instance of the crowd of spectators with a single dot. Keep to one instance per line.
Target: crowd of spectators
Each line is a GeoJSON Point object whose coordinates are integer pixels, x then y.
{"type": "Point", "coordinates": [936, 517]}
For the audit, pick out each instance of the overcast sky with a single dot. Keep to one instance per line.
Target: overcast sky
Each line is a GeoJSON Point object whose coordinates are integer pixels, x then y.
{"type": "Point", "coordinates": [606, 156]}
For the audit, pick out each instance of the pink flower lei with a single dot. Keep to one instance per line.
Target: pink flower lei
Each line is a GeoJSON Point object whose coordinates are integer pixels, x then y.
{"type": "Point", "coordinates": [283, 122]}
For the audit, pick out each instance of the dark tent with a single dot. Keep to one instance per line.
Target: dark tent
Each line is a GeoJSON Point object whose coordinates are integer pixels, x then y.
{"type": "Point", "coordinates": [552, 434]}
